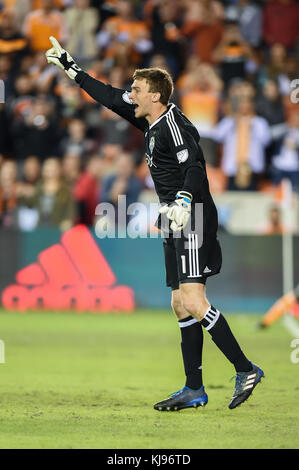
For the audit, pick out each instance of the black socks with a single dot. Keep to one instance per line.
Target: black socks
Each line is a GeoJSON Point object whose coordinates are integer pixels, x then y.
{"type": "Point", "coordinates": [215, 323]}
{"type": "Point", "coordinates": [192, 343]}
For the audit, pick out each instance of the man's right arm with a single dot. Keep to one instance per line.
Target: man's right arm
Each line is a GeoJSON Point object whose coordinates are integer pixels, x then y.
{"type": "Point", "coordinates": [115, 99]}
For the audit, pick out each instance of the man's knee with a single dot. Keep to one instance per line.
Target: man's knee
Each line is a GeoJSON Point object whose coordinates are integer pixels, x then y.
{"type": "Point", "coordinates": [194, 301]}
{"type": "Point", "coordinates": [177, 306]}
{"type": "Point", "coordinates": [195, 308]}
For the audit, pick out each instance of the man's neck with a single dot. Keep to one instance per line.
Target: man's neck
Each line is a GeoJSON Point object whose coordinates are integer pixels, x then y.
{"type": "Point", "coordinates": [151, 118]}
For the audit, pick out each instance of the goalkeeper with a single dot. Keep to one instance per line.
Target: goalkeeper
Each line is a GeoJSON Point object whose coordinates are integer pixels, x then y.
{"type": "Point", "coordinates": [177, 166]}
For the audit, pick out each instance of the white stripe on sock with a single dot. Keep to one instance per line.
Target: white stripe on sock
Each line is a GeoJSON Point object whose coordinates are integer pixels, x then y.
{"type": "Point", "coordinates": [183, 324]}
{"type": "Point", "coordinates": [207, 316]}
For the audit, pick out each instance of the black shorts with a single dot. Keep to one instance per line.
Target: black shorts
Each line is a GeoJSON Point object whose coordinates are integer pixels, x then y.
{"type": "Point", "coordinates": [190, 259]}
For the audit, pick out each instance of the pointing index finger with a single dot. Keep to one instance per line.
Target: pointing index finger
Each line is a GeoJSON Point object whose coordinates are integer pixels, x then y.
{"type": "Point", "coordinates": [55, 44]}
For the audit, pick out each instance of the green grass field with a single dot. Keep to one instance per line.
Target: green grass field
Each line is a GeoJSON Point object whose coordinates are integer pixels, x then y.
{"type": "Point", "coordinates": [89, 381]}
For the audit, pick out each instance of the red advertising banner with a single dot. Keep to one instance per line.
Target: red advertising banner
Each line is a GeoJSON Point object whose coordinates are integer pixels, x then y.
{"type": "Point", "coordinates": [70, 275]}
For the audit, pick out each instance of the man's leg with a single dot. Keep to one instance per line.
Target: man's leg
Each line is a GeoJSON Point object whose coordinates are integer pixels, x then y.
{"type": "Point", "coordinates": [196, 303]}
{"type": "Point", "coordinates": [192, 342]}
{"type": "Point", "coordinates": [192, 394]}
{"type": "Point", "coordinates": [191, 330]}
{"type": "Point", "coordinates": [248, 375]}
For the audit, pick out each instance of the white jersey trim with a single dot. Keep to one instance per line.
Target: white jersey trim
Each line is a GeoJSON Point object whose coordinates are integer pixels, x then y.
{"type": "Point", "coordinates": [175, 128]}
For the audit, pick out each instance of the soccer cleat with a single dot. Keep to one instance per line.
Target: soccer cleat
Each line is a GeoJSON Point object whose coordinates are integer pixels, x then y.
{"type": "Point", "coordinates": [245, 383]}
{"type": "Point", "coordinates": [184, 398]}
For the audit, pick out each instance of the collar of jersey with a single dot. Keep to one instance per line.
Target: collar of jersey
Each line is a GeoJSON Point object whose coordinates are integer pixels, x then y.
{"type": "Point", "coordinates": [162, 115]}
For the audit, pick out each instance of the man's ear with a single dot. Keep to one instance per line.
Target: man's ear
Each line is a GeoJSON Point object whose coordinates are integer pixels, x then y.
{"type": "Point", "coordinates": [156, 97]}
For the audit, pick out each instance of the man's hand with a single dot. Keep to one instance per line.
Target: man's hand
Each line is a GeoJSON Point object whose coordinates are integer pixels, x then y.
{"type": "Point", "coordinates": [179, 211]}
{"type": "Point", "coordinates": [58, 56]}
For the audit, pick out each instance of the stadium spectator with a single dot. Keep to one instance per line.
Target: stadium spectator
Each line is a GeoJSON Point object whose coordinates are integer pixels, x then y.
{"type": "Point", "coordinates": [164, 19]}
{"type": "Point", "coordinates": [37, 132]}
{"type": "Point", "coordinates": [71, 168]}
{"type": "Point", "coordinates": [237, 90]}
{"type": "Point", "coordinates": [274, 224]}
{"type": "Point", "coordinates": [8, 194]}
{"type": "Point", "coordinates": [31, 173]}
{"type": "Point", "coordinates": [232, 54]}
{"type": "Point", "coordinates": [42, 75]}
{"type": "Point", "coordinates": [200, 102]}
{"type": "Point", "coordinates": [19, 9]}
{"type": "Point", "coordinates": [69, 98]}
{"type": "Point", "coordinates": [76, 142]}
{"type": "Point", "coordinates": [17, 106]}
{"type": "Point", "coordinates": [23, 95]}
{"type": "Point", "coordinates": [123, 37]}
{"type": "Point", "coordinates": [270, 106]}
{"type": "Point", "coordinates": [244, 136]}
{"type": "Point", "coordinates": [7, 74]}
{"type": "Point", "coordinates": [40, 24]}
{"type": "Point", "coordinates": [286, 154]}
{"type": "Point", "coordinates": [275, 65]}
{"type": "Point", "coordinates": [86, 191]}
{"type": "Point", "coordinates": [81, 22]}
{"type": "Point", "coordinates": [186, 80]}
{"type": "Point", "coordinates": [281, 19]}
{"type": "Point", "coordinates": [11, 40]}
{"type": "Point", "coordinates": [249, 17]}
{"type": "Point", "coordinates": [31, 176]}
{"type": "Point", "coordinates": [203, 24]}
{"type": "Point", "coordinates": [52, 198]}
{"type": "Point", "coordinates": [122, 183]}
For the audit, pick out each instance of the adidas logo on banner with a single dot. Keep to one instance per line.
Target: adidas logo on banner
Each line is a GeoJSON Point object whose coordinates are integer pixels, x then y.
{"type": "Point", "coordinates": [72, 274]}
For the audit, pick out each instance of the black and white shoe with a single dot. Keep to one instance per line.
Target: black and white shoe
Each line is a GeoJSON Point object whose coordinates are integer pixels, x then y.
{"type": "Point", "coordinates": [245, 383]}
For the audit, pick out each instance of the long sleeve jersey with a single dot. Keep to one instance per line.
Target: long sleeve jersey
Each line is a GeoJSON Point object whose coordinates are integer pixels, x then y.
{"type": "Point", "coordinates": [172, 148]}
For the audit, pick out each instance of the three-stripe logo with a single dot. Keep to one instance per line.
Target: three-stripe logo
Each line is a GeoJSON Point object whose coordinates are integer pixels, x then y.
{"type": "Point", "coordinates": [211, 317]}
{"type": "Point", "coordinates": [250, 381]}
{"type": "Point", "coordinates": [174, 129]}
{"type": "Point", "coordinates": [193, 255]}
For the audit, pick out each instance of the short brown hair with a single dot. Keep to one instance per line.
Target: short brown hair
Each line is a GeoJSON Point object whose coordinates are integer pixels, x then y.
{"type": "Point", "coordinates": [159, 81]}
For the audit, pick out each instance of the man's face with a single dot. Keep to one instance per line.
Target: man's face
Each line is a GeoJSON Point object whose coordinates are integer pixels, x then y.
{"type": "Point", "coordinates": [142, 98]}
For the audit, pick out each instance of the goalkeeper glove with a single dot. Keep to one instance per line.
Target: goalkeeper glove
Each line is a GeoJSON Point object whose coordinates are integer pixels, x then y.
{"type": "Point", "coordinates": [178, 211]}
{"type": "Point", "coordinates": [58, 56]}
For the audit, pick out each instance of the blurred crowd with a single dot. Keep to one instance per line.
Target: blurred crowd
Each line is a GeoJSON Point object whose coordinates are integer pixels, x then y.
{"type": "Point", "coordinates": [235, 67]}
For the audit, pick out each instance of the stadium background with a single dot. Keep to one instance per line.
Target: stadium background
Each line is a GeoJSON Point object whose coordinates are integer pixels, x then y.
{"type": "Point", "coordinates": [233, 62]}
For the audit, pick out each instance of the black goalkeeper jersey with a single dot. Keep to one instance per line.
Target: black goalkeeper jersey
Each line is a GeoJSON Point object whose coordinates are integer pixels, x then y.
{"type": "Point", "coordinates": [172, 149]}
